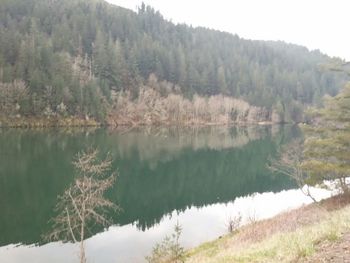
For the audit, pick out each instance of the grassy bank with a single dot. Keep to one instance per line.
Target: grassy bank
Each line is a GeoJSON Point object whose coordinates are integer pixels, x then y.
{"type": "Point", "coordinates": [295, 236]}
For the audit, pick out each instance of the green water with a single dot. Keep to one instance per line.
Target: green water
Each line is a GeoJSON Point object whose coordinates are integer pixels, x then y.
{"type": "Point", "coordinates": [161, 170]}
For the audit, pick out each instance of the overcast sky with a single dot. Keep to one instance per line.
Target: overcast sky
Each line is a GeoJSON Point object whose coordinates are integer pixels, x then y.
{"type": "Point", "coordinates": [316, 24]}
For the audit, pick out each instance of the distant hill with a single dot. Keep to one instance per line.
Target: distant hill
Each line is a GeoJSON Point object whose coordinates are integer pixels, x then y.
{"type": "Point", "coordinates": [71, 57]}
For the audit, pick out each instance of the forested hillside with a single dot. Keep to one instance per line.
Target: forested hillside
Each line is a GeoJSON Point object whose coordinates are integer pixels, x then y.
{"type": "Point", "coordinates": [86, 57]}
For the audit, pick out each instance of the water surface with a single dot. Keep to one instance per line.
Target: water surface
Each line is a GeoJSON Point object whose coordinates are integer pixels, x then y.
{"type": "Point", "coordinates": [198, 177]}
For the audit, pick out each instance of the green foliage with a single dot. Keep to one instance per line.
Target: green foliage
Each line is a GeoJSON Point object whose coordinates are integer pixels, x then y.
{"type": "Point", "coordinates": [69, 45]}
{"type": "Point", "coordinates": [169, 249]}
{"type": "Point", "coordinates": [328, 142]}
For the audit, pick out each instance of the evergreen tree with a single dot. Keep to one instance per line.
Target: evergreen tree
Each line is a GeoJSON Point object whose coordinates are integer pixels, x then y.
{"type": "Point", "coordinates": [327, 142]}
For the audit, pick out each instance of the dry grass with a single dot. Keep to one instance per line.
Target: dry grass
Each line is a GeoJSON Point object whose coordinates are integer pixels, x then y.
{"type": "Point", "coordinates": [288, 237]}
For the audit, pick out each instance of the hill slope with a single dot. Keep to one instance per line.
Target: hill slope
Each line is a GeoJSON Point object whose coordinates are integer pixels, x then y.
{"type": "Point", "coordinates": [70, 57]}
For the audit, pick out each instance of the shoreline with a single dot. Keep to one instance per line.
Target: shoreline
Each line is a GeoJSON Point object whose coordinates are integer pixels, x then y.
{"type": "Point", "coordinates": [287, 237]}
{"type": "Point", "coordinates": [34, 122]}
{"type": "Point", "coordinates": [64, 122]}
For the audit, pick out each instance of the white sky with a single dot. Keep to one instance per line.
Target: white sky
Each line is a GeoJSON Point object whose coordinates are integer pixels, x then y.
{"type": "Point", "coordinates": [316, 24]}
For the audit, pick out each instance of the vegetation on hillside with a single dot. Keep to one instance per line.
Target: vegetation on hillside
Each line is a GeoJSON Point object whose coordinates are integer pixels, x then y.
{"type": "Point", "coordinates": [151, 107]}
{"type": "Point", "coordinates": [74, 57]}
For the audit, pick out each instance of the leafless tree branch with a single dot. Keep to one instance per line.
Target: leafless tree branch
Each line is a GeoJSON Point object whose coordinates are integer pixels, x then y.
{"type": "Point", "coordinates": [83, 203]}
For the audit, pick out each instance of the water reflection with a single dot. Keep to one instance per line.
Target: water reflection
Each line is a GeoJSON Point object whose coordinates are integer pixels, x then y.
{"type": "Point", "coordinates": [194, 176]}
{"type": "Point", "coordinates": [128, 244]}
{"type": "Point", "coordinates": [161, 171]}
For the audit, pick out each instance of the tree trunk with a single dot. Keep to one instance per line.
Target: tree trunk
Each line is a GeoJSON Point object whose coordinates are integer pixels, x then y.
{"type": "Point", "coordinates": [82, 252]}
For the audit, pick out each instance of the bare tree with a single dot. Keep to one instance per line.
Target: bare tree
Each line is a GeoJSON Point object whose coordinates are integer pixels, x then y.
{"type": "Point", "coordinates": [154, 107]}
{"type": "Point", "coordinates": [234, 223]}
{"type": "Point", "coordinates": [83, 205]}
{"type": "Point", "coordinates": [289, 163]}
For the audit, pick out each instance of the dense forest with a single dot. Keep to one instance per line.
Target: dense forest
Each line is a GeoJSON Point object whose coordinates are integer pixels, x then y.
{"type": "Point", "coordinates": [85, 58]}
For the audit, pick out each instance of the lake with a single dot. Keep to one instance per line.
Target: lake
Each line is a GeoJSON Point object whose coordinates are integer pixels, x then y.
{"type": "Point", "coordinates": [198, 177]}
